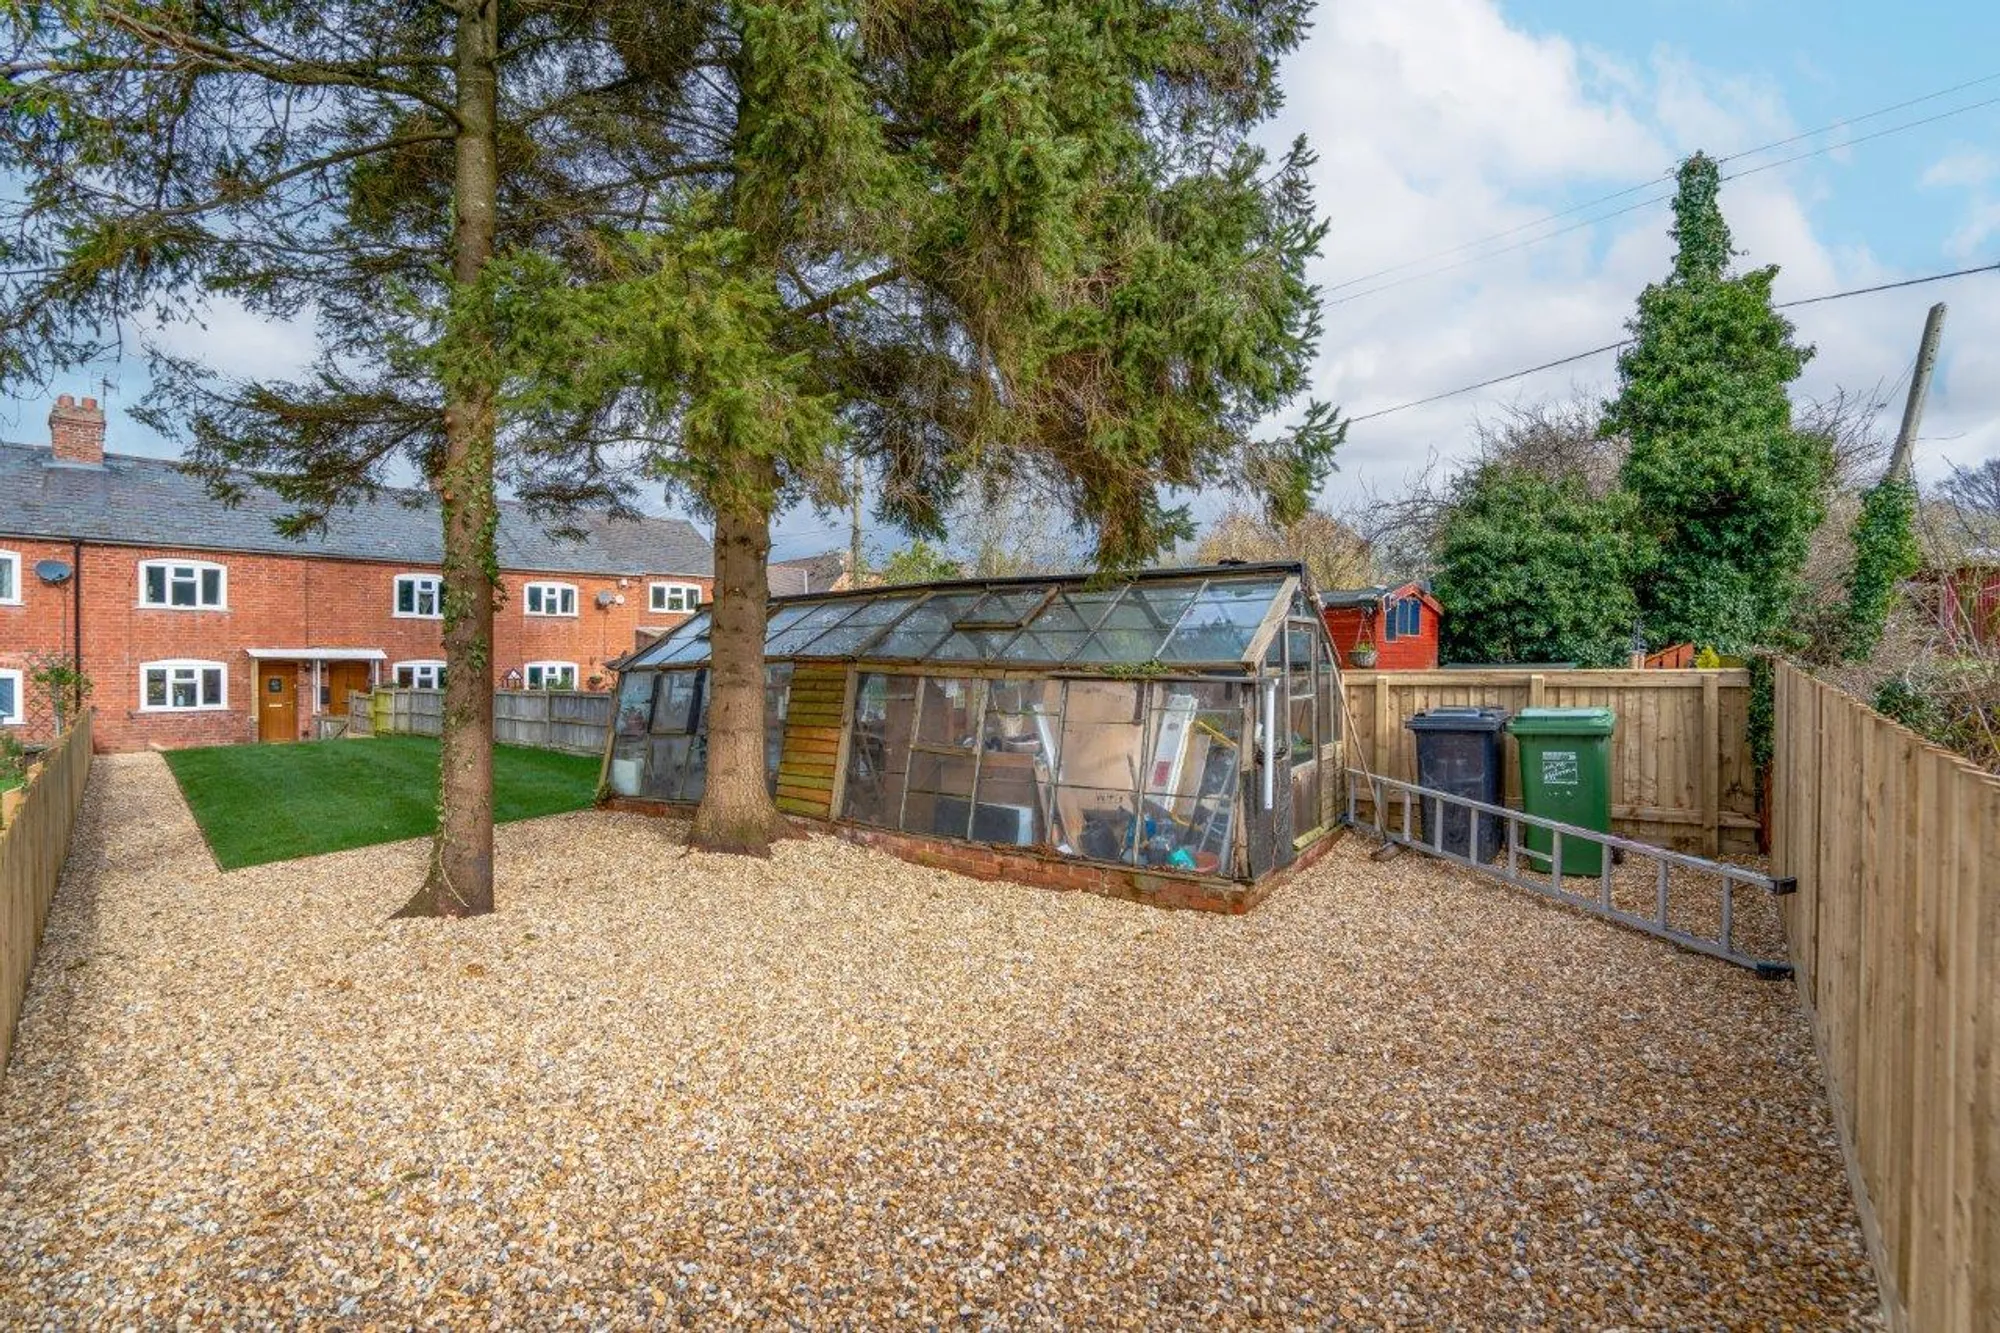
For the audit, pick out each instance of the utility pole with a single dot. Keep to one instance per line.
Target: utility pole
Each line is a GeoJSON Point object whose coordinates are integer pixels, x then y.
{"type": "Point", "coordinates": [854, 532]}
{"type": "Point", "coordinates": [1920, 387]}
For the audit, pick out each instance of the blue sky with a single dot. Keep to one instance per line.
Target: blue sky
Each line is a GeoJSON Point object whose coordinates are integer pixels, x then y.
{"type": "Point", "coordinates": [1441, 122]}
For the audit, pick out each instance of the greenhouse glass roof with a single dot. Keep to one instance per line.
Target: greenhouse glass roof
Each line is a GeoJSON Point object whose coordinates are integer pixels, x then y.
{"type": "Point", "coordinates": [1177, 617]}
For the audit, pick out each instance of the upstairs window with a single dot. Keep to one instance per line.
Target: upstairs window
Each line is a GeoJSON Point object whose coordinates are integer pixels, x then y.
{"type": "Point", "coordinates": [10, 698]}
{"type": "Point", "coordinates": [550, 675]}
{"type": "Point", "coordinates": [10, 578]}
{"type": "Point", "coordinates": [183, 585]}
{"type": "Point", "coordinates": [182, 686]}
{"type": "Point", "coordinates": [419, 597]}
{"type": "Point", "coordinates": [674, 597]}
{"type": "Point", "coordinates": [551, 599]}
{"type": "Point", "coordinates": [425, 674]}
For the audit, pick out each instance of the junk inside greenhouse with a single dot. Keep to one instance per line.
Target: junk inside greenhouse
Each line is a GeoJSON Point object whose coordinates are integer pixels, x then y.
{"type": "Point", "coordinates": [1171, 736]}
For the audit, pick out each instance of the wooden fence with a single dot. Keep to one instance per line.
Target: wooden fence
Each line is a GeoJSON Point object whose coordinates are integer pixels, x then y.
{"type": "Point", "coordinates": [544, 720]}
{"type": "Point", "coordinates": [32, 847]}
{"type": "Point", "coordinates": [1895, 937]}
{"type": "Point", "coordinates": [1681, 770]}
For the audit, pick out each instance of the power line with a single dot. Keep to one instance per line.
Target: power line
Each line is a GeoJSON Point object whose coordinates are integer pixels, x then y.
{"type": "Point", "coordinates": [1623, 342]}
{"type": "Point", "coordinates": [1649, 184]}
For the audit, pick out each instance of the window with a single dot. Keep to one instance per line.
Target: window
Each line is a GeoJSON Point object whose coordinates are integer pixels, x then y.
{"type": "Point", "coordinates": [674, 597]}
{"type": "Point", "coordinates": [185, 585]}
{"type": "Point", "coordinates": [166, 687]}
{"type": "Point", "coordinates": [10, 578]}
{"type": "Point", "coordinates": [551, 599]}
{"type": "Point", "coordinates": [10, 698]}
{"type": "Point", "coordinates": [550, 675]}
{"type": "Point", "coordinates": [427, 674]}
{"type": "Point", "coordinates": [419, 596]}
{"type": "Point", "coordinates": [1403, 619]}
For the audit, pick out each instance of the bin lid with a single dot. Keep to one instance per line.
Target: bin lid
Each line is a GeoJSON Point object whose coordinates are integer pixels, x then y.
{"type": "Point", "coordinates": [1457, 717]}
{"type": "Point", "coordinates": [1563, 722]}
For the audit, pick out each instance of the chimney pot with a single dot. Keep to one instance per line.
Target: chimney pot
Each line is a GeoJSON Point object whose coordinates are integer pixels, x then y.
{"type": "Point", "coordinates": [76, 433]}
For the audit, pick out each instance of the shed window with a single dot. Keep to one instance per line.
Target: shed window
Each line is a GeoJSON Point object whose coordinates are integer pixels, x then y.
{"type": "Point", "coordinates": [182, 686]}
{"type": "Point", "coordinates": [551, 599]}
{"type": "Point", "coordinates": [183, 585]}
{"type": "Point", "coordinates": [10, 698]}
{"type": "Point", "coordinates": [419, 597]}
{"type": "Point", "coordinates": [1405, 619]}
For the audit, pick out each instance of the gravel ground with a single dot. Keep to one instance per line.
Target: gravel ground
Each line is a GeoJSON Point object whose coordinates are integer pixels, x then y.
{"type": "Point", "coordinates": [834, 1089]}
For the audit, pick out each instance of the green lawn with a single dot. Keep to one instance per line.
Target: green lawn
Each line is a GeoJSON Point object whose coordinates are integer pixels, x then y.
{"type": "Point", "coordinates": [258, 803]}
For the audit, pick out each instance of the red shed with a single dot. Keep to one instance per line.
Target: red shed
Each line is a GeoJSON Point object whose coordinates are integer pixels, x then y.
{"type": "Point", "coordinates": [1401, 620]}
{"type": "Point", "coordinates": [1968, 600]}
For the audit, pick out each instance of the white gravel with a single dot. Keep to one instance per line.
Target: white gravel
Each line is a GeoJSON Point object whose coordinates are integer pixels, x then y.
{"type": "Point", "coordinates": [835, 1089]}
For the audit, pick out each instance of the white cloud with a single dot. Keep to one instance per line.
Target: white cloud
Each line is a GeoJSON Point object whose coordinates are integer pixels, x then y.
{"type": "Point", "coordinates": [1963, 168]}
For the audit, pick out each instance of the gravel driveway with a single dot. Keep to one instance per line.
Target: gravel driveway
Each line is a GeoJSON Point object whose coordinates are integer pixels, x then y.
{"type": "Point", "coordinates": [837, 1089]}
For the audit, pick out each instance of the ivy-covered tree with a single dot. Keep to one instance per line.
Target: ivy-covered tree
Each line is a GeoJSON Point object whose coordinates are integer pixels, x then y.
{"type": "Point", "coordinates": [1721, 480]}
{"type": "Point", "coordinates": [984, 244]}
{"type": "Point", "coordinates": [1533, 568]}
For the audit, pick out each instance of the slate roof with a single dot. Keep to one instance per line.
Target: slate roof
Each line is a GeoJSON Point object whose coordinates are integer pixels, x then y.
{"type": "Point", "coordinates": [136, 501]}
{"type": "Point", "coordinates": [1372, 596]}
{"type": "Point", "coordinates": [807, 574]}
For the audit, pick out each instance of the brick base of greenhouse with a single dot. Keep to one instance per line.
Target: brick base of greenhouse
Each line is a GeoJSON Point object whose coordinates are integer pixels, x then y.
{"type": "Point", "coordinates": [1042, 870]}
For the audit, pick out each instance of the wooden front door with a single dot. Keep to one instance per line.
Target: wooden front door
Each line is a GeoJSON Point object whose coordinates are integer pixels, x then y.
{"type": "Point", "coordinates": [343, 678]}
{"type": "Point", "coordinates": [277, 701]}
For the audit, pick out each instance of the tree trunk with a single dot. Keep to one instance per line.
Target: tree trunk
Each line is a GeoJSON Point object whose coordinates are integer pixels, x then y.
{"type": "Point", "coordinates": [736, 812]}
{"type": "Point", "coordinates": [460, 880]}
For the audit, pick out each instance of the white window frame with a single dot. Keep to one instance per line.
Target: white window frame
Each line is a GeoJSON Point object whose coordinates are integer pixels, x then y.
{"type": "Point", "coordinates": [436, 583]}
{"type": "Point", "coordinates": [12, 559]}
{"type": "Point", "coordinates": [541, 590]}
{"type": "Point", "coordinates": [419, 668]}
{"type": "Point", "coordinates": [661, 598]}
{"type": "Point", "coordinates": [529, 671]}
{"type": "Point", "coordinates": [18, 714]}
{"type": "Point", "coordinates": [194, 666]}
{"type": "Point", "coordinates": [195, 569]}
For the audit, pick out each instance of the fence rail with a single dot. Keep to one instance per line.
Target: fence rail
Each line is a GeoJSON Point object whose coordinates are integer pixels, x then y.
{"type": "Point", "coordinates": [32, 848]}
{"type": "Point", "coordinates": [1895, 938]}
{"type": "Point", "coordinates": [543, 720]}
{"type": "Point", "coordinates": [1681, 770]}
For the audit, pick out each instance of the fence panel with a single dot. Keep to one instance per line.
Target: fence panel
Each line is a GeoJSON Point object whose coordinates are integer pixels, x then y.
{"type": "Point", "coordinates": [578, 723]}
{"type": "Point", "coordinates": [1681, 770]}
{"type": "Point", "coordinates": [1895, 938]}
{"type": "Point", "coordinates": [33, 844]}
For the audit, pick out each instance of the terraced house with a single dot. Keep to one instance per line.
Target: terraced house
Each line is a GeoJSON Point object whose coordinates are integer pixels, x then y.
{"type": "Point", "coordinates": [198, 624]}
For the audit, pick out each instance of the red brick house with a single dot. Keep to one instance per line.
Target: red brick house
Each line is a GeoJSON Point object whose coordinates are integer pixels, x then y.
{"type": "Point", "coordinates": [198, 624]}
{"type": "Point", "coordinates": [1402, 621]}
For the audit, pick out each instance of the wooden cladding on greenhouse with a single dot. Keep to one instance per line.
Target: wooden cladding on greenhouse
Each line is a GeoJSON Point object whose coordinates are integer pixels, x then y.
{"type": "Point", "coordinates": [1172, 736]}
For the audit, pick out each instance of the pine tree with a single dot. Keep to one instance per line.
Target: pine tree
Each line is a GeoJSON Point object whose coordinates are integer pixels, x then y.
{"type": "Point", "coordinates": [1724, 485]}
{"type": "Point", "coordinates": [362, 163]}
{"type": "Point", "coordinates": [981, 244]}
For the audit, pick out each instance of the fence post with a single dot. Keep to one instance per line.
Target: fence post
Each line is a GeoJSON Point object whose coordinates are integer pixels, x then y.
{"type": "Point", "coordinates": [1711, 763]}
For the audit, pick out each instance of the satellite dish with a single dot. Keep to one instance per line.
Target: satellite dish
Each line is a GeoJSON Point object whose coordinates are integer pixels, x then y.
{"type": "Point", "coordinates": [52, 571]}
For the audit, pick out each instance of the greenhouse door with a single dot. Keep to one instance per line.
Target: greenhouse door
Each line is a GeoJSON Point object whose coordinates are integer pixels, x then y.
{"type": "Point", "coordinates": [1267, 792]}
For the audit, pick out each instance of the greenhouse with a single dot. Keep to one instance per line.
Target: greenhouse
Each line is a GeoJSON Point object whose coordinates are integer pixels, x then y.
{"type": "Point", "coordinates": [1079, 730]}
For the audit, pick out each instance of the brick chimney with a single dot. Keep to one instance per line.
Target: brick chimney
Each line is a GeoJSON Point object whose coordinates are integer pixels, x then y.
{"type": "Point", "coordinates": [76, 431]}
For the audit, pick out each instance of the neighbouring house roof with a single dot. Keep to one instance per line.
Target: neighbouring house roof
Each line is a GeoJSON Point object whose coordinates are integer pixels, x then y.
{"type": "Point", "coordinates": [1359, 598]}
{"type": "Point", "coordinates": [136, 501]}
{"type": "Point", "coordinates": [1202, 617]}
{"type": "Point", "coordinates": [807, 574]}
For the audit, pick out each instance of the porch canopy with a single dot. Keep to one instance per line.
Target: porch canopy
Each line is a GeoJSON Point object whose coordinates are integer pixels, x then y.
{"type": "Point", "coordinates": [317, 654]}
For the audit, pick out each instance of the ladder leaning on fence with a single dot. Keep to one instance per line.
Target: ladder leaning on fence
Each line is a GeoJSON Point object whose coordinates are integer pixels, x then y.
{"type": "Point", "coordinates": [1688, 900]}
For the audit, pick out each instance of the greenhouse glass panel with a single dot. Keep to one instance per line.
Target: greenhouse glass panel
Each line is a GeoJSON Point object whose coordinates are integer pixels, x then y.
{"type": "Point", "coordinates": [674, 703]}
{"type": "Point", "coordinates": [1023, 722]}
{"type": "Point", "coordinates": [857, 630]}
{"type": "Point", "coordinates": [1061, 629]}
{"type": "Point", "coordinates": [944, 756]}
{"type": "Point", "coordinates": [1006, 609]}
{"type": "Point", "coordinates": [674, 641]}
{"type": "Point", "coordinates": [816, 621]}
{"type": "Point", "coordinates": [920, 631]}
{"type": "Point", "coordinates": [1137, 627]}
{"type": "Point", "coordinates": [777, 702]}
{"type": "Point", "coordinates": [1097, 774]}
{"type": "Point", "coordinates": [628, 732]}
{"type": "Point", "coordinates": [1219, 625]}
{"type": "Point", "coordinates": [878, 751]}
{"type": "Point", "coordinates": [1193, 776]}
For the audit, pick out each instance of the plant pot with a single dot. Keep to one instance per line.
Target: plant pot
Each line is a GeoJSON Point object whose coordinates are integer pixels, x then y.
{"type": "Point", "coordinates": [1363, 658]}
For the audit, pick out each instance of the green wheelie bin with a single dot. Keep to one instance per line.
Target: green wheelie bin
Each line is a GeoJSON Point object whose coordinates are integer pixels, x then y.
{"type": "Point", "coordinates": [1566, 776]}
